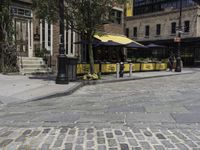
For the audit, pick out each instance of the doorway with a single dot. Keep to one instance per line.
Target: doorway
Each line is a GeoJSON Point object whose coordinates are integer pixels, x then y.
{"type": "Point", "coordinates": [21, 37]}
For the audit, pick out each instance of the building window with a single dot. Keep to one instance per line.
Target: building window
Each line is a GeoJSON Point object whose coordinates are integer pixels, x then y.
{"type": "Point", "coordinates": [173, 28]}
{"type": "Point", "coordinates": [72, 39]}
{"type": "Point", "coordinates": [49, 34]}
{"type": "Point", "coordinates": [147, 30]}
{"type": "Point", "coordinates": [127, 32]}
{"type": "Point", "coordinates": [43, 34]}
{"type": "Point", "coordinates": [46, 35]}
{"type": "Point", "coordinates": [158, 29]}
{"type": "Point", "coordinates": [21, 11]}
{"type": "Point", "coordinates": [187, 26]}
{"type": "Point", "coordinates": [135, 32]}
{"type": "Point", "coordinates": [116, 16]}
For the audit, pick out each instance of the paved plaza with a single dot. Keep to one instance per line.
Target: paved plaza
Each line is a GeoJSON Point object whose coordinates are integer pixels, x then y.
{"type": "Point", "coordinates": [156, 113]}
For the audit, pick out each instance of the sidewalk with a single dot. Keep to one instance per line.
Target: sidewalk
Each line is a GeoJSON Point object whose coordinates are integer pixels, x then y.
{"type": "Point", "coordinates": [17, 88]}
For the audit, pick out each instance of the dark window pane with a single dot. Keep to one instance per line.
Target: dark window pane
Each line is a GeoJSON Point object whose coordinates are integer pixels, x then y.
{"type": "Point", "coordinates": [173, 28]}
{"type": "Point", "coordinates": [158, 28]}
{"type": "Point", "coordinates": [187, 26]}
{"type": "Point", "coordinates": [127, 32]}
{"type": "Point", "coordinates": [147, 30]}
{"type": "Point", "coordinates": [49, 34]}
{"type": "Point", "coordinates": [43, 34]}
{"type": "Point", "coordinates": [135, 32]}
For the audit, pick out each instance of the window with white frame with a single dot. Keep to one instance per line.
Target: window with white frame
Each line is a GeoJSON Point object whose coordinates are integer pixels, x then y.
{"type": "Point", "coordinates": [70, 38]}
{"type": "Point", "coordinates": [46, 36]}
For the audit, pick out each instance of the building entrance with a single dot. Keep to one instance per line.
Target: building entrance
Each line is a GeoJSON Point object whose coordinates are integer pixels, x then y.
{"type": "Point", "coordinates": [21, 37]}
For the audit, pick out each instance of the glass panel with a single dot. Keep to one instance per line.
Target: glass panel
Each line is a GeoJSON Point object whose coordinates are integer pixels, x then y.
{"type": "Point", "coordinates": [21, 11]}
{"type": "Point", "coordinates": [18, 31]}
{"type": "Point", "coordinates": [24, 31]}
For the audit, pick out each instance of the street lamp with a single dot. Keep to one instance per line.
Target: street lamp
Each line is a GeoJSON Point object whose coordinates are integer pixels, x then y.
{"type": "Point", "coordinates": [178, 59]}
{"type": "Point", "coordinates": [62, 75]}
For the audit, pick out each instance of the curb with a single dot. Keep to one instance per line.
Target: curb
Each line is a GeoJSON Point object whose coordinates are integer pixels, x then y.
{"type": "Point", "coordinates": [60, 94]}
{"type": "Point", "coordinates": [95, 82]}
{"type": "Point", "coordinates": [129, 79]}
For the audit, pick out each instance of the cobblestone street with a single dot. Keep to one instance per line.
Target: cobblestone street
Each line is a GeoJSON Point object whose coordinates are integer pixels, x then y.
{"type": "Point", "coordinates": [158, 113]}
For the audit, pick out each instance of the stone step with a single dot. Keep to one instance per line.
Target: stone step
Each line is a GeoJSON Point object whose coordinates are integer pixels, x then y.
{"type": "Point", "coordinates": [30, 58]}
{"type": "Point", "coordinates": [34, 66]}
{"type": "Point", "coordinates": [36, 70]}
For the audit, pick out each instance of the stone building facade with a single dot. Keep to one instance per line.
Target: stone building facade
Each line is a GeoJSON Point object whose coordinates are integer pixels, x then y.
{"type": "Point", "coordinates": [161, 27]}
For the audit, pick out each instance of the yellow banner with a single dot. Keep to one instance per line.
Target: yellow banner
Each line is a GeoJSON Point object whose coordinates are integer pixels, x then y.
{"type": "Point", "coordinates": [161, 66]}
{"type": "Point", "coordinates": [108, 68]}
{"type": "Point", "coordinates": [85, 68]}
{"type": "Point", "coordinates": [129, 8]}
{"type": "Point", "coordinates": [148, 67]}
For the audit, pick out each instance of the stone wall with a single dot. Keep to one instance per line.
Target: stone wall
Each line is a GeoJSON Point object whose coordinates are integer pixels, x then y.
{"type": "Point", "coordinates": [165, 19]}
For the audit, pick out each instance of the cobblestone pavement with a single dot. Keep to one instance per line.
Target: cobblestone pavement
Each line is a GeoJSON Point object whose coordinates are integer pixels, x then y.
{"type": "Point", "coordinates": [160, 113]}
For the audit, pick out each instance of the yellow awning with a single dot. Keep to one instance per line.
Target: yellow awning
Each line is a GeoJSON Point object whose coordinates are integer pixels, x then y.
{"type": "Point", "coordinates": [115, 38]}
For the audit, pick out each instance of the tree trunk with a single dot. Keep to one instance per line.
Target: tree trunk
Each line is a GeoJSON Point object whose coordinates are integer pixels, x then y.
{"type": "Point", "coordinates": [91, 57]}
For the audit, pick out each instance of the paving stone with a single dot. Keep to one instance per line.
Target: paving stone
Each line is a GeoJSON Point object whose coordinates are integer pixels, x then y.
{"type": "Point", "coordinates": [158, 147]}
{"type": "Point", "coordinates": [90, 130]}
{"type": "Point", "coordinates": [109, 135]}
{"type": "Point", "coordinates": [35, 133]}
{"type": "Point", "coordinates": [45, 146]}
{"type": "Point", "coordinates": [136, 130]}
{"type": "Point", "coordinates": [5, 142]}
{"type": "Point", "coordinates": [23, 147]}
{"type": "Point", "coordinates": [145, 145]}
{"type": "Point", "coordinates": [193, 137]}
{"type": "Point", "coordinates": [100, 133]}
{"type": "Point", "coordinates": [181, 146]}
{"type": "Point", "coordinates": [27, 132]}
{"type": "Point", "coordinates": [136, 148]}
{"type": "Point", "coordinates": [5, 134]}
{"type": "Point", "coordinates": [124, 147]}
{"type": "Point", "coordinates": [112, 143]}
{"type": "Point", "coordinates": [49, 139]}
{"type": "Point", "coordinates": [140, 137]}
{"type": "Point", "coordinates": [102, 147]}
{"type": "Point", "coordinates": [101, 140]}
{"type": "Point", "coordinates": [81, 133]}
{"type": "Point", "coordinates": [58, 143]}
{"type": "Point", "coordinates": [118, 132]}
{"type": "Point", "coordinates": [166, 132]}
{"type": "Point", "coordinates": [190, 143]}
{"type": "Point", "coordinates": [160, 136]}
{"type": "Point", "coordinates": [132, 142]}
{"type": "Point", "coordinates": [152, 140]}
{"type": "Point", "coordinates": [64, 130]}
{"type": "Point", "coordinates": [113, 148]}
{"type": "Point", "coordinates": [167, 144]}
{"type": "Point", "coordinates": [21, 139]}
{"type": "Point", "coordinates": [174, 139]}
{"type": "Point", "coordinates": [68, 146]}
{"type": "Point", "coordinates": [179, 135]}
{"type": "Point", "coordinates": [90, 144]}
{"type": "Point", "coordinates": [78, 147]}
{"type": "Point", "coordinates": [72, 132]}
{"type": "Point", "coordinates": [90, 136]}
{"type": "Point", "coordinates": [80, 140]}
{"type": "Point", "coordinates": [70, 138]}
{"type": "Point", "coordinates": [147, 133]}
{"type": "Point", "coordinates": [45, 131]}
{"type": "Point", "coordinates": [129, 134]}
{"type": "Point", "coordinates": [121, 139]}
